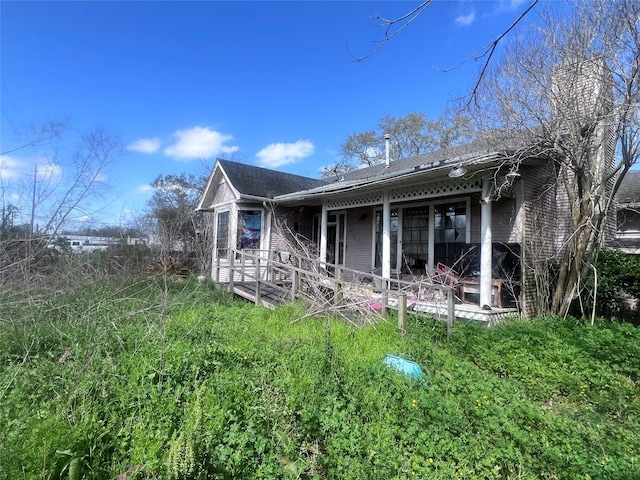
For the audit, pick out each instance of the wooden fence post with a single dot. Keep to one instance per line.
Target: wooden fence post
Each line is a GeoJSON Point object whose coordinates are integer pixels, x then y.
{"type": "Point", "coordinates": [337, 294]}
{"type": "Point", "coordinates": [258, 293]}
{"type": "Point", "coordinates": [450, 310]}
{"type": "Point", "coordinates": [385, 297]}
{"type": "Point", "coordinates": [300, 276]}
{"type": "Point", "coordinates": [402, 313]}
{"type": "Point", "coordinates": [243, 264]}
{"type": "Point", "coordinates": [294, 283]}
{"type": "Point", "coordinates": [268, 275]}
{"type": "Point", "coordinates": [232, 261]}
{"type": "Point", "coordinates": [216, 277]}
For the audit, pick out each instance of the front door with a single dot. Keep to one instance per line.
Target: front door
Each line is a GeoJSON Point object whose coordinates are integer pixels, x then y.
{"type": "Point", "coordinates": [336, 235]}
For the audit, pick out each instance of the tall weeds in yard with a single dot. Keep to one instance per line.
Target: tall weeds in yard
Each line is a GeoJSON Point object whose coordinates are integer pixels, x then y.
{"type": "Point", "coordinates": [179, 380]}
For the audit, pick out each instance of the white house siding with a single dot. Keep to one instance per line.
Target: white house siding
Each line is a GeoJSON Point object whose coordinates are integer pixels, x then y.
{"type": "Point", "coordinates": [610, 226]}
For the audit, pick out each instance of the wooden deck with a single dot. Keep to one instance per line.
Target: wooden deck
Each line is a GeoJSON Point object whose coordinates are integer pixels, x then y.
{"type": "Point", "coordinates": [268, 281]}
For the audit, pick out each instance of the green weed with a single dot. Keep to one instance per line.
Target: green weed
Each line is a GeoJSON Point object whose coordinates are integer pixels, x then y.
{"type": "Point", "coordinates": [180, 380]}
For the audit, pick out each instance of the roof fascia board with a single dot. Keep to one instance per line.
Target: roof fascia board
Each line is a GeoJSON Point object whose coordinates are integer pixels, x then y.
{"type": "Point", "coordinates": [246, 196]}
{"type": "Point", "coordinates": [405, 174]}
{"type": "Point", "coordinates": [201, 206]}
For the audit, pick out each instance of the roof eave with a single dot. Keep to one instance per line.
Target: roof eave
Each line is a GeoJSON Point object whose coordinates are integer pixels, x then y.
{"type": "Point", "coordinates": [439, 171]}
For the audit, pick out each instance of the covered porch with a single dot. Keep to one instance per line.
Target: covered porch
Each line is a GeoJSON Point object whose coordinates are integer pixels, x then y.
{"type": "Point", "coordinates": [270, 278]}
{"type": "Point", "coordinates": [460, 220]}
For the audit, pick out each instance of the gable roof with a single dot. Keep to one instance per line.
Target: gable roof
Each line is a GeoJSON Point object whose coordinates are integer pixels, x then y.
{"type": "Point", "coordinates": [265, 183]}
{"type": "Point", "coordinates": [629, 190]}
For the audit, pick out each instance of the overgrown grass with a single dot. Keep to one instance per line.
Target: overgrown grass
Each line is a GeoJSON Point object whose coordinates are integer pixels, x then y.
{"type": "Point", "coordinates": [179, 380]}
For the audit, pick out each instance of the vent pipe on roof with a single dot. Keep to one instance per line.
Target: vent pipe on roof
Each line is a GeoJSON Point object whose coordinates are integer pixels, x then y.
{"type": "Point", "coordinates": [387, 147]}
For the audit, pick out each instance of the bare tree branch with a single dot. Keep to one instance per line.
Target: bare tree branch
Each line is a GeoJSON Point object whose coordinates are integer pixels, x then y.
{"type": "Point", "coordinates": [389, 35]}
{"type": "Point", "coordinates": [486, 52]}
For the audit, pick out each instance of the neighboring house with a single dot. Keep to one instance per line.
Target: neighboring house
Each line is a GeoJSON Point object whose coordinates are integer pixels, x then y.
{"type": "Point", "coordinates": [91, 243]}
{"type": "Point", "coordinates": [627, 238]}
{"type": "Point", "coordinates": [88, 243]}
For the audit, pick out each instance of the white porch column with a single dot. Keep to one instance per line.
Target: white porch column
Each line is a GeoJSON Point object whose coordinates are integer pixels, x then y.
{"type": "Point", "coordinates": [266, 229]}
{"type": "Point", "coordinates": [323, 233]}
{"type": "Point", "coordinates": [386, 236]}
{"type": "Point", "coordinates": [486, 250]}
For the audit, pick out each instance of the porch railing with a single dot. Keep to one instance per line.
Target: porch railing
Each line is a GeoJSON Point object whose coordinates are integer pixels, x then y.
{"type": "Point", "coordinates": [293, 276]}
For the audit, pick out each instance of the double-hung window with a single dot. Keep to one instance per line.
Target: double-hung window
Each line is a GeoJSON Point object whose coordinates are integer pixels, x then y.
{"type": "Point", "coordinates": [222, 234]}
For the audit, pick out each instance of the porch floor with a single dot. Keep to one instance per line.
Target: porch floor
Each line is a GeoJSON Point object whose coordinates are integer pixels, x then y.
{"type": "Point", "coordinates": [273, 295]}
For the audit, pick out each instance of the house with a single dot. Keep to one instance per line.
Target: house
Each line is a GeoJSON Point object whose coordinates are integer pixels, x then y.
{"type": "Point", "coordinates": [465, 208]}
{"type": "Point", "coordinates": [627, 238]}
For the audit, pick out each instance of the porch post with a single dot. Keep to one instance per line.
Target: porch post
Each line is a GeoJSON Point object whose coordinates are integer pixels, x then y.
{"type": "Point", "coordinates": [486, 250]}
{"type": "Point", "coordinates": [323, 234]}
{"type": "Point", "coordinates": [386, 236]}
{"type": "Point", "coordinates": [266, 230]}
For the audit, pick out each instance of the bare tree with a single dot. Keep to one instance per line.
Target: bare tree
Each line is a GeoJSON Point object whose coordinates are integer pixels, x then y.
{"type": "Point", "coordinates": [38, 135]}
{"type": "Point", "coordinates": [178, 226]}
{"type": "Point", "coordinates": [569, 91]}
{"type": "Point", "coordinates": [56, 189]}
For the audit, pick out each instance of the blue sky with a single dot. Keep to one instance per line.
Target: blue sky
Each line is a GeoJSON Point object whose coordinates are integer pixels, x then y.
{"type": "Point", "coordinates": [267, 83]}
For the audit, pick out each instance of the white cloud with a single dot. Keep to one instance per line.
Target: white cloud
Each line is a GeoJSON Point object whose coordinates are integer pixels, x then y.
{"type": "Point", "coordinates": [509, 5]}
{"type": "Point", "coordinates": [145, 145]}
{"type": "Point", "coordinates": [466, 20]}
{"type": "Point", "coordinates": [10, 168]}
{"type": "Point", "coordinates": [199, 143]}
{"type": "Point", "coordinates": [278, 154]}
{"type": "Point", "coordinates": [144, 188]}
{"type": "Point", "coordinates": [13, 169]}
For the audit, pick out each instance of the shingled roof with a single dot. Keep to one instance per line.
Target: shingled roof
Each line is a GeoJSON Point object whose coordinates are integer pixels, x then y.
{"type": "Point", "coordinates": [450, 155]}
{"type": "Point", "coordinates": [629, 191]}
{"type": "Point", "coordinates": [262, 182]}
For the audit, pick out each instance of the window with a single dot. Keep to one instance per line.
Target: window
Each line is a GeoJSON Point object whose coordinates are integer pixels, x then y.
{"type": "Point", "coordinates": [450, 232]}
{"type": "Point", "coordinates": [415, 236]}
{"type": "Point", "coordinates": [249, 229]}
{"type": "Point", "coordinates": [412, 224]}
{"type": "Point", "coordinates": [222, 234]}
